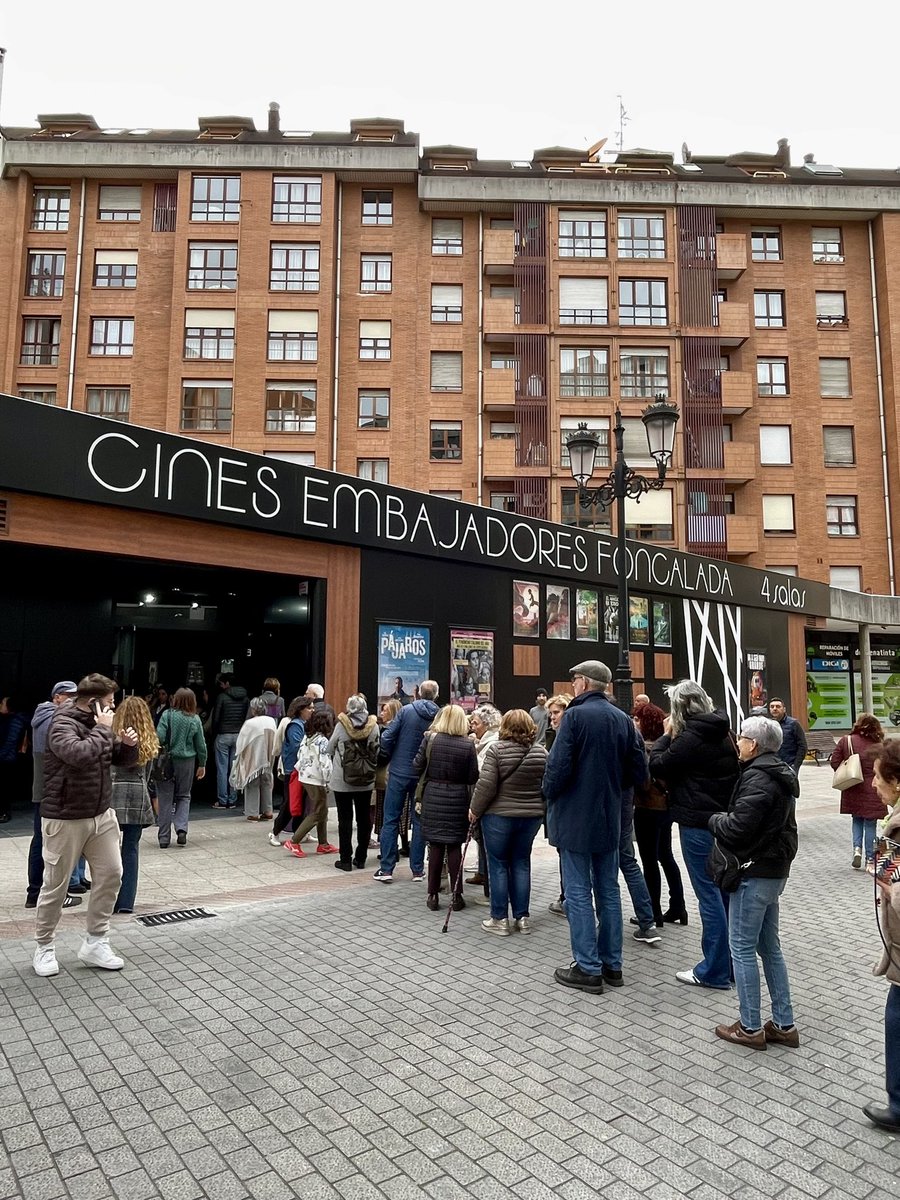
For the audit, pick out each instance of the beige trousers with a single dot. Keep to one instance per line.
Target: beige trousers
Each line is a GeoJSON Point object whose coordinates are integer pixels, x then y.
{"type": "Point", "coordinates": [97, 838]}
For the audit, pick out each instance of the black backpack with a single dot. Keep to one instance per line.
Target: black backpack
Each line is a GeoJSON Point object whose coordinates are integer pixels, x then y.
{"type": "Point", "coordinates": [358, 760]}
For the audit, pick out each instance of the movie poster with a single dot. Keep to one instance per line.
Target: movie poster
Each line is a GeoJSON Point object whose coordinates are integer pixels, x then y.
{"type": "Point", "coordinates": [586, 615]}
{"type": "Point", "coordinates": [559, 625]}
{"type": "Point", "coordinates": [662, 623]}
{"type": "Point", "coordinates": [526, 610]}
{"type": "Point", "coordinates": [756, 679]}
{"type": "Point", "coordinates": [471, 667]}
{"type": "Point", "coordinates": [638, 620]}
{"type": "Point", "coordinates": [402, 661]}
{"type": "Point", "coordinates": [610, 617]}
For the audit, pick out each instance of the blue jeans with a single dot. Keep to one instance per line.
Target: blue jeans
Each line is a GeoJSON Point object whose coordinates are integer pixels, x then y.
{"type": "Point", "coordinates": [225, 744]}
{"type": "Point", "coordinates": [715, 968]}
{"type": "Point", "coordinates": [634, 879]}
{"type": "Point", "coordinates": [594, 879]}
{"type": "Point", "coordinates": [507, 842]}
{"type": "Point", "coordinates": [864, 827]}
{"type": "Point", "coordinates": [131, 836]}
{"type": "Point", "coordinates": [892, 1049]}
{"type": "Point", "coordinates": [752, 930]}
{"type": "Point", "coordinates": [79, 874]}
{"type": "Point", "coordinates": [398, 790]}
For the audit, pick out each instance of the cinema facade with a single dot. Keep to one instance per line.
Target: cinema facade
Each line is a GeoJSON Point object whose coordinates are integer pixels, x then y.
{"type": "Point", "coordinates": [163, 558]}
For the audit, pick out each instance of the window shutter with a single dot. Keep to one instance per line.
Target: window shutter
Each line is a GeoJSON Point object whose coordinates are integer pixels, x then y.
{"type": "Point", "coordinates": [637, 450]}
{"type": "Point", "coordinates": [120, 199]}
{"type": "Point", "coordinates": [839, 445]}
{"type": "Point", "coordinates": [846, 577]}
{"type": "Point", "coordinates": [834, 376]}
{"type": "Point", "coordinates": [446, 227]}
{"type": "Point", "coordinates": [447, 295]}
{"type": "Point", "coordinates": [778, 514]}
{"type": "Point", "coordinates": [375, 329]}
{"type": "Point", "coordinates": [582, 216]}
{"type": "Point", "coordinates": [209, 318]}
{"type": "Point", "coordinates": [293, 322]}
{"type": "Point", "coordinates": [583, 293]}
{"type": "Point", "coordinates": [775, 444]}
{"type": "Point", "coordinates": [826, 233]}
{"type": "Point", "coordinates": [655, 508]}
{"type": "Point", "coordinates": [116, 258]}
{"type": "Point", "coordinates": [446, 369]}
{"type": "Point", "coordinates": [830, 304]}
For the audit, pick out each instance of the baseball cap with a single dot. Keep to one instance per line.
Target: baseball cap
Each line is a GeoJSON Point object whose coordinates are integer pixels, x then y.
{"type": "Point", "coordinates": [65, 685]}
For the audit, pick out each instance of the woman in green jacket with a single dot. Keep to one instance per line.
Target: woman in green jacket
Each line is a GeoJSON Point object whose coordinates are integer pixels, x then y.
{"type": "Point", "coordinates": [181, 734]}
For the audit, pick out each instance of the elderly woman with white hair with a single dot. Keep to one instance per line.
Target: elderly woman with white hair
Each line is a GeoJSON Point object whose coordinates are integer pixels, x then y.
{"type": "Point", "coordinates": [253, 755]}
{"type": "Point", "coordinates": [697, 760]}
{"type": "Point", "coordinates": [760, 830]}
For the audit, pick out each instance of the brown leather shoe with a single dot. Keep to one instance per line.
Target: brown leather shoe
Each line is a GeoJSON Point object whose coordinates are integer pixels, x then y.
{"type": "Point", "coordinates": [737, 1034]}
{"type": "Point", "coordinates": [433, 903]}
{"type": "Point", "coordinates": [781, 1037]}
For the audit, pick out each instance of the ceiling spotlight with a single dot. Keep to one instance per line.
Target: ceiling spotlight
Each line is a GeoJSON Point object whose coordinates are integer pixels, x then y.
{"type": "Point", "coordinates": [194, 604]}
{"type": "Point", "coordinates": [149, 598]}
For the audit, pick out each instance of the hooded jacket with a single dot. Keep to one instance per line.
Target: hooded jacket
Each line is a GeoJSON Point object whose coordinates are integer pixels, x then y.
{"type": "Point", "coordinates": [699, 768]}
{"type": "Point", "coordinates": [760, 824]}
{"type": "Point", "coordinates": [77, 760]}
{"type": "Point", "coordinates": [40, 726]}
{"type": "Point", "coordinates": [401, 740]}
{"type": "Point", "coordinates": [889, 914]}
{"type": "Point", "coordinates": [358, 726]}
{"type": "Point", "coordinates": [230, 710]}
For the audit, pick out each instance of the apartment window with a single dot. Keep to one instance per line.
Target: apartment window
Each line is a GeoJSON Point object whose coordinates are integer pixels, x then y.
{"type": "Point", "coordinates": [840, 516]}
{"type": "Point", "coordinates": [831, 309]}
{"type": "Point", "coordinates": [212, 266]}
{"type": "Point", "coordinates": [119, 203]}
{"type": "Point", "coordinates": [598, 425]}
{"type": "Point", "coordinates": [778, 514]}
{"type": "Point", "coordinates": [447, 495]}
{"type": "Point", "coordinates": [373, 469]}
{"type": "Point", "coordinates": [834, 376]}
{"type": "Point", "coordinates": [845, 577]}
{"type": "Point", "coordinates": [446, 303]}
{"type": "Point", "coordinates": [293, 337]}
{"type": "Point", "coordinates": [504, 360]}
{"type": "Point", "coordinates": [294, 268]}
{"type": "Point", "coordinates": [583, 301]}
{"type": "Point", "coordinates": [50, 209]}
{"type": "Point", "coordinates": [582, 235]}
{"type": "Point", "coordinates": [115, 268]}
{"type": "Point", "coordinates": [635, 445]}
{"type": "Point", "coordinates": [724, 362]}
{"type": "Point", "coordinates": [504, 431]}
{"type": "Point", "coordinates": [642, 302]}
{"type": "Point", "coordinates": [827, 244]}
{"type": "Point", "coordinates": [375, 339]}
{"type": "Point", "coordinates": [650, 518]}
{"type": "Point", "coordinates": [206, 406]}
{"type": "Point", "coordinates": [374, 408]}
{"type": "Point", "coordinates": [643, 373]}
{"type": "Point", "coordinates": [446, 235]}
{"type": "Point", "coordinates": [40, 342]}
{"type": "Point", "coordinates": [296, 200]}
{"type": "Point", "coordinates": [209, 333]}
{"type": "Point", "coordinates": [112, 402]}
{"type": "Point", "coordinates": [503, 501]}
{"type": "Point", "coordinates": [839, 447]}
{"type": "Point", "coordinates": [446, 441]}
{"type": "Point", "coordinates": [377, 208]}
{"type": "Point", "coordinates": [446, 370]}
{"type": "Point", "coordinates": [783, 570]}
{"type": "Point", "coordinates": [290, 407]}
{"type": "Point", "coordinates": [303, 458]}
{"type": "Point", "coordinates": [641, 235]}
{"type": "Point", "coordinates": [112, 336]}
{"type": "Point", "coordinates": [46, 273]}
{"type": "Point", "coordinates": [775, 445]}
{"type": "Point", "coordinates": [216, 198]}
{"type": "Point", "coordinates": [165, 207]}
{"type": "Point", "coordinates": [768, 310]}
{"type": "Point", "coordinates": [772, 376]}
{"type": "Point", "coordinates": [584, 371]}
{"type": "Point", "coordinates": [375, 272]}
{"type": "Point", "coordinates": [38, 395]}
{"type": "Point", "coordinates": [765, 244]}
{"type": "Point", "coordinates": [572, 512]}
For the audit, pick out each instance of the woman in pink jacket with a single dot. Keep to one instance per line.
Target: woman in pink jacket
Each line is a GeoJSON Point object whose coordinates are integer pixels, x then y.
{"type": "Point", "coordinates": [862, 801]}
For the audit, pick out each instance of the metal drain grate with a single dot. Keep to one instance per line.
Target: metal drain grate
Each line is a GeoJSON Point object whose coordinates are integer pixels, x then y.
{"type": "Point", "coordinates": [172, 918]}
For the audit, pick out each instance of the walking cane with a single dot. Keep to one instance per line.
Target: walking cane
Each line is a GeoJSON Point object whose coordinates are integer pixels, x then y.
{"type": "Point", "coordinates": [462, 862]}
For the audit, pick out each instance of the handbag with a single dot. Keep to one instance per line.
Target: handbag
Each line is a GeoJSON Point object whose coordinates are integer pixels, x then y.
{"type": "Point", "coordinates": [163, 765]}
{"type": "Point", "coordinates": [724, 867]}
{"type": "Point", "coordinates": [848, 773]}
{"type": "Point", "coordinates": [885, 866]}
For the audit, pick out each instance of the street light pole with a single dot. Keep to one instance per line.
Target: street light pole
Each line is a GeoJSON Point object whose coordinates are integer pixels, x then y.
{"type": "Point", "coordinates": [660, 419]}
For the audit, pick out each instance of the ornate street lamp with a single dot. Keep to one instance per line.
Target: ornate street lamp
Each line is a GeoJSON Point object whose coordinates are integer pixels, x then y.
{"type": "Point", "coordinates": [660, 419]}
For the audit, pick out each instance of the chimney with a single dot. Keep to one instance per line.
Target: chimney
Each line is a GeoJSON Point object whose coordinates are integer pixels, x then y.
{"type": "Point", "coordinates": [809, 158]}
{"type": "Point", "coordinates": [274, 117]}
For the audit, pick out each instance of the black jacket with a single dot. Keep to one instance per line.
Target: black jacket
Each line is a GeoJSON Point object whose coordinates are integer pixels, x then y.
{"type": "Point", "coordinates": [451, 769]}
{"type": "Point", "coordinates": [699, 768]}
{"type": "Point", "coordinates": [760, 824]}
{"type": "Point", "coordinates": [793, 745]}
{"type": "Point", "coordinates": [230, 710]}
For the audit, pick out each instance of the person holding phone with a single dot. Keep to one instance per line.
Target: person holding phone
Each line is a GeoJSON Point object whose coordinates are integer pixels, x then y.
{"type": "Point", "coordinates": [77, 818]}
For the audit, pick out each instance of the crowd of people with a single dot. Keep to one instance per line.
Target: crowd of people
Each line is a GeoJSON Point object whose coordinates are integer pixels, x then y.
{"type": "Point", "coordinates": [427, 779]}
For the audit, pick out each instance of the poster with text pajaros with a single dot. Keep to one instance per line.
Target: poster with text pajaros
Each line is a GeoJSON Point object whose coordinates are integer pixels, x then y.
{"type": "Point", "coordinates": [402, 661]}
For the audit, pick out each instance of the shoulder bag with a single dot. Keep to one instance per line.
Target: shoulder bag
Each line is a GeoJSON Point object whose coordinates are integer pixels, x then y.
{"type": "Point", "coordinates": [420, 786]}
{"type": "Point", "coordinates": [163, 770]}
{"type": "Point", "coordinates": [848, 773]}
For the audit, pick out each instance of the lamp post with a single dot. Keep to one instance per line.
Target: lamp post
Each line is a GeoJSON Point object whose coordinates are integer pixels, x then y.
{"type": "Point", "coordinates": [660, 419]}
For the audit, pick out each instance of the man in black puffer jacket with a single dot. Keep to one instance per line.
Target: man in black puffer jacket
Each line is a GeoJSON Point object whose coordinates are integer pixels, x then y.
{"type": "Point", "coordinates": [760, 829]}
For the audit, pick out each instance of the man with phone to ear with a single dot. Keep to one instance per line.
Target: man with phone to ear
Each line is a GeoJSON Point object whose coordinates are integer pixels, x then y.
{"type": "Point", "coordinates": [76, 819]}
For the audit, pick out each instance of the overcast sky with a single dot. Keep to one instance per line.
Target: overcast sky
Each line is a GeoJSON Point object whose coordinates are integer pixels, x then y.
{"type": "Point", "coordinates": [505, 78]}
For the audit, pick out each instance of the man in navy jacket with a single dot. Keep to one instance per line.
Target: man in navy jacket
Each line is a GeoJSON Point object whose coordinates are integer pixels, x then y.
{"type": "Point", "coordinates": [400, 743]}
{"type": "Point", "coordinates": [596, 755]}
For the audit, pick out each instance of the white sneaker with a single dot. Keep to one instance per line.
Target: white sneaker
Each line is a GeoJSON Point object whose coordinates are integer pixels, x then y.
{"type": "Point", "coordinates": [498, 926]}
{"type": "Point", "coordinates": [523, 925]}
{"type": "Point", "coordinates": [97, 952]}
{"type": "Point", "coordinates": [274, 839]}
{"type": "Point", "coordinates": [44, 961]}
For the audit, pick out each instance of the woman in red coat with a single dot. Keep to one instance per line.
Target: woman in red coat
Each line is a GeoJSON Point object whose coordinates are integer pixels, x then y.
{"type": "Point", "coordinates": [861, 801]}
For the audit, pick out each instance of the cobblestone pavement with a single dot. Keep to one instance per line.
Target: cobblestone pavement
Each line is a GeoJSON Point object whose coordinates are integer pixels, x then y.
{"type": "Point", "coordinates": [332, 1043]}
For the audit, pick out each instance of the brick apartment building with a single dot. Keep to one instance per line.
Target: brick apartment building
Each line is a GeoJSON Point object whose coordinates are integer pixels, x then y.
{"type": "Point", "coordinates": [439, 322]}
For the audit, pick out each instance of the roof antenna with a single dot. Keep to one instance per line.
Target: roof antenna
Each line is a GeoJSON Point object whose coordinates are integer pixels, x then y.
{"type": "Point", "coordinates": [624, 120]}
